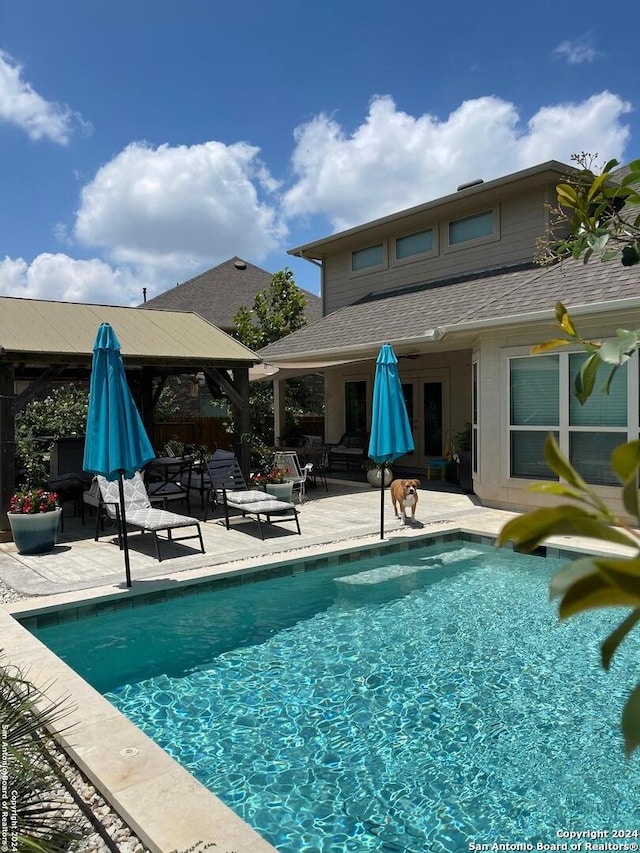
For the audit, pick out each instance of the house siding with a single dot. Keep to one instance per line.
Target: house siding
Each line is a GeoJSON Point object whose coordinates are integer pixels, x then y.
{"type": "Point", "coordinates": [521, 221]}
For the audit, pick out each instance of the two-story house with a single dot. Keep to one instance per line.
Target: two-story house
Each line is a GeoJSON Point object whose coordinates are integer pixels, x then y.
{"type": "Point", "coordinates": [453, 286]}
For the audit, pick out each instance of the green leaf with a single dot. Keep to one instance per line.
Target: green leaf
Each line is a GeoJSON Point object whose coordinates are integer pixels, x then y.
{"type": "Point", "coordinates": [556, 489]}
{"type": "Point", "coordinates": [563, 318]}
{"type": "Point", "coordinates": [568, 575]}
{"type": "Point", "coordinates": [597, 242]}
{"type": "Point", "coordinates": [631, 721]}
{"type": "Point", "coordinates": [586, 377]}
{"type": "Point", "coordinates": [609, 646]}
{"type": "Point", "coordinates": [618, 351]}
{"type": "Point", "coordinates": [596, 185]}
{"type": "Point", "coordinates": [592, 592]}
{"type": "Point", "coordinates": [561, 465]}
{"type": "Point", "coordinates": [549, 345]}
{"type": "Point", "coordinates": [630, 497]}
{"type": "Point", "coordinates": [632, 177]}
{"type": "Point", "coordinates": [567, 196]}
{"type": "Point", "coordinates": [530, 530]}
{"type": "Point", "coordinates": [619, 565]}
{"type": "Point", "coordinates": [625, 459]}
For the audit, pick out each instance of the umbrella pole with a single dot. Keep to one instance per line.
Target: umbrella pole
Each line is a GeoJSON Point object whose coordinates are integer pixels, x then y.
{"type": "Point", "coordinates": [123, 528]}
{"type": "Point", "coordinates": [382, 469]}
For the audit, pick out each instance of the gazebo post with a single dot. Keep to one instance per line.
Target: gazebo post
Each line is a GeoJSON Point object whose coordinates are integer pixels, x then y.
{"type": "Point", "coordinates": [241, 381]}
{"type": "Point", "coordinates": [7, 445]}
{"type": "Point", "coordinates": [146, 395]}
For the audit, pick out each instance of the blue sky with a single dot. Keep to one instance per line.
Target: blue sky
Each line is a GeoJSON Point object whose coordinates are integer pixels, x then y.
{"type": "Point", "coordinates": [142, 143]}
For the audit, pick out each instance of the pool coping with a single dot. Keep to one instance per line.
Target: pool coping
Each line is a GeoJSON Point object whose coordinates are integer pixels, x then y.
{"type": "Point", "coordinates": [163, 804]}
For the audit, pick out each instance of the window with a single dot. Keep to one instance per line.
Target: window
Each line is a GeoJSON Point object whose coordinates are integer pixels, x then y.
{"type": "Point", "coordinates": [542, 400]}
{"type": "Point", "coordinates": [596, 427]}
{"type": "Point", "coordinates": [471, 228]}
{"type": "Point", "coordinates": [362, 259]}
{"type": "Point", "coordinates": [534, 411]}
{"type": "Point", "coordinates": [414, 244]}
{"type": "Point", "coordinates": [355, 407]}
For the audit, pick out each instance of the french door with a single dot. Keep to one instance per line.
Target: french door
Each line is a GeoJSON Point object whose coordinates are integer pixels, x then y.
{"type": "Point", "coordinates": [427, 401]}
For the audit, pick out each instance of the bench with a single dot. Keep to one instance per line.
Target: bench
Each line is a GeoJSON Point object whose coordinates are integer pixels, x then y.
{"type": "Point", "coordinates": [350, 451]}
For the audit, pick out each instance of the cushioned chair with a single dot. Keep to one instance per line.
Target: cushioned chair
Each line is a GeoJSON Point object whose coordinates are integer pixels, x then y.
{"type": "Point", "coordinates": [229, 490]}
{"type": "Point", "coordinates": [287, 460]}
{"type": "Point", "coordinates": [139, 512]}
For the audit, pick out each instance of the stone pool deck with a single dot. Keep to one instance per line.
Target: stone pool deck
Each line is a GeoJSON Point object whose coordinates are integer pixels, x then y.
{"type": "Point", "coordinates": [347, 511]}
{"type": "Point", "coordinates": [166, 807]}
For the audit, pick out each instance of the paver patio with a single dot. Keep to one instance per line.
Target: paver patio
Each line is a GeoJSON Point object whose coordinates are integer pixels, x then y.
{"type": "Point", "coordinates": [347, 511]}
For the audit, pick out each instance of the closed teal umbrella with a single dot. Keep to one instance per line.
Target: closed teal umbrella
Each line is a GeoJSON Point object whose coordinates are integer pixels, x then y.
{"type": "Point", "coordinates": [117, 444]}
{"type": "Point", "coordinates": [390, 428]}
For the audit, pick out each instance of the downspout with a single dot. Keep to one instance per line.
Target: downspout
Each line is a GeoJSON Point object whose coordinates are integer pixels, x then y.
{"type": "Point", "coordinates": [320, 265]}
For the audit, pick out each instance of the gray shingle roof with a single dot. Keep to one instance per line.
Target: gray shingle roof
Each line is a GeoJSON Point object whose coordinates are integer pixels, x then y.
{"type": "Point", "coordinates": [487, 296]}
{"type": "Point", "coordinates": [217, 293]}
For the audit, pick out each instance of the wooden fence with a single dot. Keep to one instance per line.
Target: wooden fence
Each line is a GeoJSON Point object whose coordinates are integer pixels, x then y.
{"type": "Point", "coordinates": [209, 432]}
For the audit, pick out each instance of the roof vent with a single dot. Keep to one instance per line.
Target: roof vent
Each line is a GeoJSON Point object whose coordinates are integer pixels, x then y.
{"type": "Point", "coordinates": [471, 184]}
{"type": "Point", "coordinates": [240, 265]}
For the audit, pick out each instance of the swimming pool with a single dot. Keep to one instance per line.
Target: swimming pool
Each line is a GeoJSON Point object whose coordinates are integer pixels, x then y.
{"type": "Point", "coordinates": [413, 702]}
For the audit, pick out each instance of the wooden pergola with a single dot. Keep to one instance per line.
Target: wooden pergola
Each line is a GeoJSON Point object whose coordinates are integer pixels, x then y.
{"type": "Point", "coordinates": [42, 342]}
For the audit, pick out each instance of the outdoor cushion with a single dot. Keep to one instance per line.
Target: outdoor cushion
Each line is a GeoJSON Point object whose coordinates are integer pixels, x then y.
{"type": "Point", "coordinates": [158, 519]}
{"type": "Point", "coordinates": [266, 506]}
{"type": "Point", "coordinates": [245, 496]}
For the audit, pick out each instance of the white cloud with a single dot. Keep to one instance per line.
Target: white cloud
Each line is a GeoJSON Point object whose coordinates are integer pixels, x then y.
{"type": "Point", "coordinates": [57, 276]}
{"type": "Point", "coordinates": [394, 160]}
{"type": "Point", "coordinates": [167, 209]}
{"type": "Point", "coordinates": [21, 105]}
{"type": "Point", "coordinates": [577, 51]}
{"type": "Point", "coordinates": [159, 215]}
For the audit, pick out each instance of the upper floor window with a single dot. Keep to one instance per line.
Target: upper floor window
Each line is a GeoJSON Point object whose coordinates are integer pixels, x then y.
{"type": "Point", "coordinates": [372, 256]}
{"type": "Point", "coordinates": [414, 244]}
{"type": "Point", "coordinates": [471, 227]}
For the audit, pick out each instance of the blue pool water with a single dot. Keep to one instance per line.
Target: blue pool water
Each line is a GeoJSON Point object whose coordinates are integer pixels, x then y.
{"type": "Point", "coordinates": [416, 702]}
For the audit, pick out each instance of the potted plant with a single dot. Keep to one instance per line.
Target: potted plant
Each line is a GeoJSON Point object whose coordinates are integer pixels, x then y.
{"type": "Point", "coordinates": [274, 482]}
{"type": "Point", "coordinates": [34, 516]}
{"type": "Point", "coordinates": [374, 473]}
{"type": "Point", "coordinates": [465, 474]}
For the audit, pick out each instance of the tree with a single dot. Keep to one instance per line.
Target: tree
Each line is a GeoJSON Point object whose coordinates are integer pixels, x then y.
{"type": "Point", "coordinates": [599, 211]}
{"type": "Point", "coordinates": [62, 413]}
{"type": "Point", "coordinates": [277, 311]}
{"type": "Point", "coordinates": [602, 223]}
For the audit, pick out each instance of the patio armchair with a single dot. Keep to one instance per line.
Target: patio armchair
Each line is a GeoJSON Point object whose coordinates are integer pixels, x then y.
{"type": "Point", "coordinates": [229, 490]}
{"type": "Point", "coordinates": [139, 512]}
{"type": "Point", "coordinates": [350, 450]}
{"type": "Point", "coordinates": [296, 474]}
{"type": "Point", "coordinates": [168, 479]}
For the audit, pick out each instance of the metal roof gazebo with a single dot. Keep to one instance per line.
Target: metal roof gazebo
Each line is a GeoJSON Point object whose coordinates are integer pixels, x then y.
{"type": "Point", "coordinates": [42, 341]}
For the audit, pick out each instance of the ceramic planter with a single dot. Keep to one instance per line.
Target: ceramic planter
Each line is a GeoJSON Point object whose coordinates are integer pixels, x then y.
{"type": "Point", "coordinates": [280, 491]}
{"type": "Point", "coordinates": [374, 475]}
{"type": "Point", "coordinates": [36, 532]}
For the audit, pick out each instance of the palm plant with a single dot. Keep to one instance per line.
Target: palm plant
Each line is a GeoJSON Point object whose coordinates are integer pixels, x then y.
{"type": "Point", "coordinates": [37, 813]}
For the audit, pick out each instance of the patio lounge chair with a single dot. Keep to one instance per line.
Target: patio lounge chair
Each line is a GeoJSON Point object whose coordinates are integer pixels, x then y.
{"type": "Point", "coordinates": [229, 489]}
{"type": "Point", "coordinates": [139, 512]}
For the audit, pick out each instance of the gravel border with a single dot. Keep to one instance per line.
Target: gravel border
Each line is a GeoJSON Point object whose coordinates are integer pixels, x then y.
{"type": "Point", "coordinates": [106, 832]}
